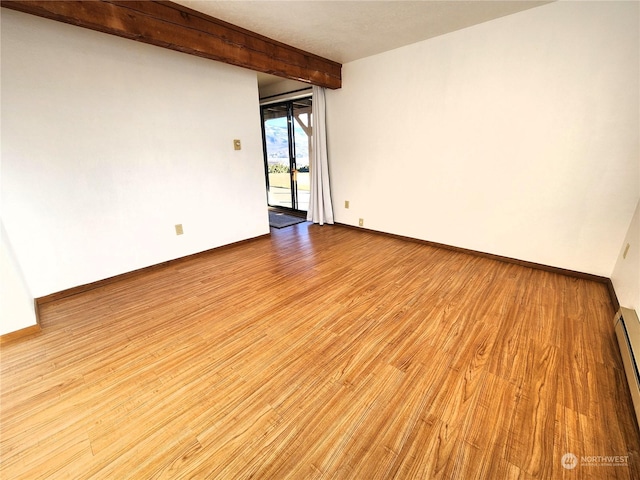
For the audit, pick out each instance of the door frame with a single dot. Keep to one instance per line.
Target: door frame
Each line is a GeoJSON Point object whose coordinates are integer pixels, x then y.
{"type": "Point", "coordinates": [289, 104]}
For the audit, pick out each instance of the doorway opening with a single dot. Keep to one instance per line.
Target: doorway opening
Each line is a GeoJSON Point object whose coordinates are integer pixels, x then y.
{"type": "Point", "coordinates": [286, 135]}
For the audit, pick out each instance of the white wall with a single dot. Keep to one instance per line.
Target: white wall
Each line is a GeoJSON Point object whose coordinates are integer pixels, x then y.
{"type": "Point", "coordinates": [108, 143]}
{"type": "Point", "coordinates": [16, 302]}
{"type": "Point", "coordinates": [626, 274]}
{"type": "Point", "coordinates": [517, 137]}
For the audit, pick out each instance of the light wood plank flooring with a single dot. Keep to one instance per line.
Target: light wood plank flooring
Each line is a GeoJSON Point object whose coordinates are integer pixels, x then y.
{"type": "Point", "coordinates": [321, 352]}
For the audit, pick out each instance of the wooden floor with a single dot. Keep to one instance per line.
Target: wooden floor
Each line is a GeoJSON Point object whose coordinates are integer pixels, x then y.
{"type": "Point", "coordinates": [321, 352]}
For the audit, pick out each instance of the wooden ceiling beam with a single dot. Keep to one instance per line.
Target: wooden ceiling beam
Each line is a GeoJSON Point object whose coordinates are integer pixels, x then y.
{"type": "Point", "coordinates": [173, 26]}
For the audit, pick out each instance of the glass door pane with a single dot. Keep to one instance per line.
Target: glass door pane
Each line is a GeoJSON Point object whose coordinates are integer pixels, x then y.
{"type": "Point", "coordinates": [278, 148]}
{"type": "Point", "coordinates": [302, 140]}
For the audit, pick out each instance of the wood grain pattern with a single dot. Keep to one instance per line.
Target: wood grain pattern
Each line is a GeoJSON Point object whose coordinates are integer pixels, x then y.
{"type": "Point", "coordinates": [321, 352]}
{"type": "Point", "coordinates": [176, 27]}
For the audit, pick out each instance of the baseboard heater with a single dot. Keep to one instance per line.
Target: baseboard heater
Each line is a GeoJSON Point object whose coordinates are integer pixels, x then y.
{"type": "Point", "coordinates": [628, 333]}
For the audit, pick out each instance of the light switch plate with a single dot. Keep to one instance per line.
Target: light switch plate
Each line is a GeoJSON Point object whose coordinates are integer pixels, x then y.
{"type": "Point", "coordinates": [237, 145]}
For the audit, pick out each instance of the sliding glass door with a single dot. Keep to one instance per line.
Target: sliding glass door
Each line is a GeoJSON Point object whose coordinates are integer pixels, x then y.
{"type": "Point", "coordinates": [286, 132]}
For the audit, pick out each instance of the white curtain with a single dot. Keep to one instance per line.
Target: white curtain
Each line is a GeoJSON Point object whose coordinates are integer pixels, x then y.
{"type": "Point", "coordinates": [320, 208]}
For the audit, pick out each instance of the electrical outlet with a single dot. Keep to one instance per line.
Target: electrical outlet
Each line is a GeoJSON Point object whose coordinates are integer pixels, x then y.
{"type": "Point", "coordinates": [626, 250]}
{"type": "Point", "coordinates": [179, 230]}
{"type": "Point", "coordinates": [346, 204]}
{"type": "Point", "coordinates": [361, 222]}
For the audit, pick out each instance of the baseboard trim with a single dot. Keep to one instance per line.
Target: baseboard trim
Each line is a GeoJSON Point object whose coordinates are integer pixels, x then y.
{"type": "Point", "coordinates": [612, 295]}
{"type": "Point", "coordinates": [19, 334]}
{"type": "Point", "coordinates": [500, 258]}
{"type": "Point", "coordinates": [100, 283]}
{"type": "Point", "coordinates": [123, 276]}
{"type": "Point", "coordinates": [24, 332]}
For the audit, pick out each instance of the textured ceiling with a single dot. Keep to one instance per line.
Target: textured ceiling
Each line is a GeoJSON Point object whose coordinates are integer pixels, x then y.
{"type": "Point", "coordinates": [344, 31]}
